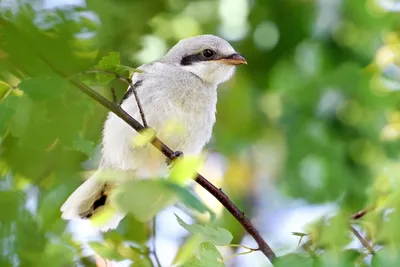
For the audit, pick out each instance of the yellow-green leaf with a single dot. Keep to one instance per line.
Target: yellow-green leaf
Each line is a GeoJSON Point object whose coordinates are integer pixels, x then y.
{"type": "Point", "coordinates": [215, 235]}
{"type": "Point", "coordinates": [184, 169]}
{"type": "Point", "coordinates": [142, 139]}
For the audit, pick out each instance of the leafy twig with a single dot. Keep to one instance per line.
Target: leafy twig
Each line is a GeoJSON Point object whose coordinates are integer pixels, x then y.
{"type": "Point", "coordinates": [362, 240]}
{"type": "Point", "coordinates": [131, 87]}
{"type": "Point", "coordinates": [243, 246]}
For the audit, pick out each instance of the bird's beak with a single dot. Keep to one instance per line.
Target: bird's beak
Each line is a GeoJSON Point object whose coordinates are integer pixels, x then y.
{"type": "Point", "coordinates": [234, 59]}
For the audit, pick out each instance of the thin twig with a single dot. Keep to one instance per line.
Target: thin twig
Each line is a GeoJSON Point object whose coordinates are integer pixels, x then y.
{"type": "Point", "coordinates": [131, 87]}
{"type": "Point", "coordinates": [154, 252]}
{"type": "Point", "coordinates": [242, 246]}
{"type": "Point", "coordinates": [362, 240]}
{"type": "Point", "coordinates": [139, 104]}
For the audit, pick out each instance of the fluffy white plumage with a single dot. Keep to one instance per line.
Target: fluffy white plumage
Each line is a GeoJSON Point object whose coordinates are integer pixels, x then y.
{"type": "Point", "coordinates": [179, 89]}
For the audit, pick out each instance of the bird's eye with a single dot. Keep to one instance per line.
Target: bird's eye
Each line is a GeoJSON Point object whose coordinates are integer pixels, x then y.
{"type": "Point", "coordinates": [208, 53]}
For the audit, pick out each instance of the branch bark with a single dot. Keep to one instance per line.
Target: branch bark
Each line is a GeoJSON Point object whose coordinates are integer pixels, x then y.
{"type": "Point", "coordinates": [164, 149]}
{"type": "Point", "coordinates": [362, 240]}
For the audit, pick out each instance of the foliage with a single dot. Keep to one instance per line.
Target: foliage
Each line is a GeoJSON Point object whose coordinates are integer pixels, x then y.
{"type": "Point", "coordinates": [314, 116]}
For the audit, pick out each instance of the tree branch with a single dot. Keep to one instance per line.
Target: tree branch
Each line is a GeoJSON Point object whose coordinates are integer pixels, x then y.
{"type": "Point", "coordinates": [133, 87]}
{"type": "Point", "coordinates": [164, 149]}
{"type": "Point", "coordinates": [362, 240]}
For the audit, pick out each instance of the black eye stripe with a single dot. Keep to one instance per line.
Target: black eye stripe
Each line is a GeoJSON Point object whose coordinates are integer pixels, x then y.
{"type": "Point", "coordinates": [190, 59]}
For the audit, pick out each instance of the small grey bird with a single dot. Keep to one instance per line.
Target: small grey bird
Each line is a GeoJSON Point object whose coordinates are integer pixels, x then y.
{"type": "Point", "coordinates": [178, 94]}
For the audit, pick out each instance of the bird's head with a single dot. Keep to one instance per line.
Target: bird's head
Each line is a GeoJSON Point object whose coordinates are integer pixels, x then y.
{"type": "Point", "coordinates": [209, 57]}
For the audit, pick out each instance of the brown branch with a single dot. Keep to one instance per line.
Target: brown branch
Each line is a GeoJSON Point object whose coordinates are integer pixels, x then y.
{"type": "Point", "coordinates": [133, 87]}
{"type": "Point", "coordinates": [362, 240]}
{"type": "Point", "coordinates": [218, 194]}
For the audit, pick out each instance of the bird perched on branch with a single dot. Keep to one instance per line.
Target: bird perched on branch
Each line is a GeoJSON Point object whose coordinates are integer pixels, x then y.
{"type": "Point", "coordinates": [179, 89]}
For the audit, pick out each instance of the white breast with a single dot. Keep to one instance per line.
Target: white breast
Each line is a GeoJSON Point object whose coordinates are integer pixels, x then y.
{"type": "Point", "coordinates": [180, 108]}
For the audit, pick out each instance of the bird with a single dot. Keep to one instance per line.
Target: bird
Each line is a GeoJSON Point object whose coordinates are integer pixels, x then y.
{"type": "Point", "coordinates": [178, 89]}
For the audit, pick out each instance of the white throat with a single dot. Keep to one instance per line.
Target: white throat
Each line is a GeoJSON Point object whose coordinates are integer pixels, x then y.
{"type": "Point", "coordinates": [211, 72]}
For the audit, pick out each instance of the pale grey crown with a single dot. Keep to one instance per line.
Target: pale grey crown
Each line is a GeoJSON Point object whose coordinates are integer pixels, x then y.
{"type": "Point", "coordinates": [195, 45]}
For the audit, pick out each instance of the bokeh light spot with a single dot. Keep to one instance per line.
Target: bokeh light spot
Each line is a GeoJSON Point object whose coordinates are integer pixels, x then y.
{"type": "Point", "coordinates": [266, 35]}
{"type": "Point", "coordinates": [153, 48]}
{"type": "Point", "coordinates": [184, 27]}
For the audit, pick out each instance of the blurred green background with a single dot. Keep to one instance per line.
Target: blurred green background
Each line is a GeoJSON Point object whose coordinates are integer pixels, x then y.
{"type": "Point", "coordinates": [310, 127]}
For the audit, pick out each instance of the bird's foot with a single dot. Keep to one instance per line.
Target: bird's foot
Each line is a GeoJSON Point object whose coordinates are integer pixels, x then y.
{"type": "Point", "coordinates": [174, 156]}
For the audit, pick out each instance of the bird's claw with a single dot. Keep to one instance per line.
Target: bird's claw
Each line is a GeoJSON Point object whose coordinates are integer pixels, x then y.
{"type": "Point", "coordinates": [174, 156]}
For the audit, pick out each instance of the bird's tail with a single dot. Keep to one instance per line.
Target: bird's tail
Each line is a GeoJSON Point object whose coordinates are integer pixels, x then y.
{"type": "Point", "coordinates": [89, 199]}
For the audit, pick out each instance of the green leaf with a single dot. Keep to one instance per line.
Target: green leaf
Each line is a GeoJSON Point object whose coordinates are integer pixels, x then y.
{"type": "Point", "coordinates": [352, 255]}
{"type": "Point", "coordinates": [143, 138]}
{"type": "Point", "coordinates": [145, 262]}
{"type": "Point", "coordinates": [334, 232]}
{"type": "Point", "coordinates": [104, 215]}
{"type": "Point", "coordinates": [57, 255]}
{"type": "Point", "coordinates": [210, 255]}
{"type": "Point", "coordinates": [206, 255]}
{"type": "Point", "coordinates": [386, 257]}
{"type": "Point", "coordinates": [22, 114]}
{"type": "Point", "coordinates": [84, 146]}
{"type": "Point", "coordinates": [293, 259]}
{"type": "Point", "coordinates": [110, 62]}
{"type": "Point", "coordinates": [5, 115]}
{"type": "Point", "coordinates": [55, 197]}
{"type": "Point", "coordinates": [41, 87]}
{"type": "Point", "coordinates": [193, 262]}
{"type": "Point", "coordinates": [185, 251]}
{"type": "Point", "coordinates": [106, 252]}
{"type": "Point", "coordinates": [189, 199]}
{"type": "Point", "coordinates": [143, 198]}
{"type": "Point", "coordinates": [184, 169]}
{"type": "Point", "coordinates": [217, 236]}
